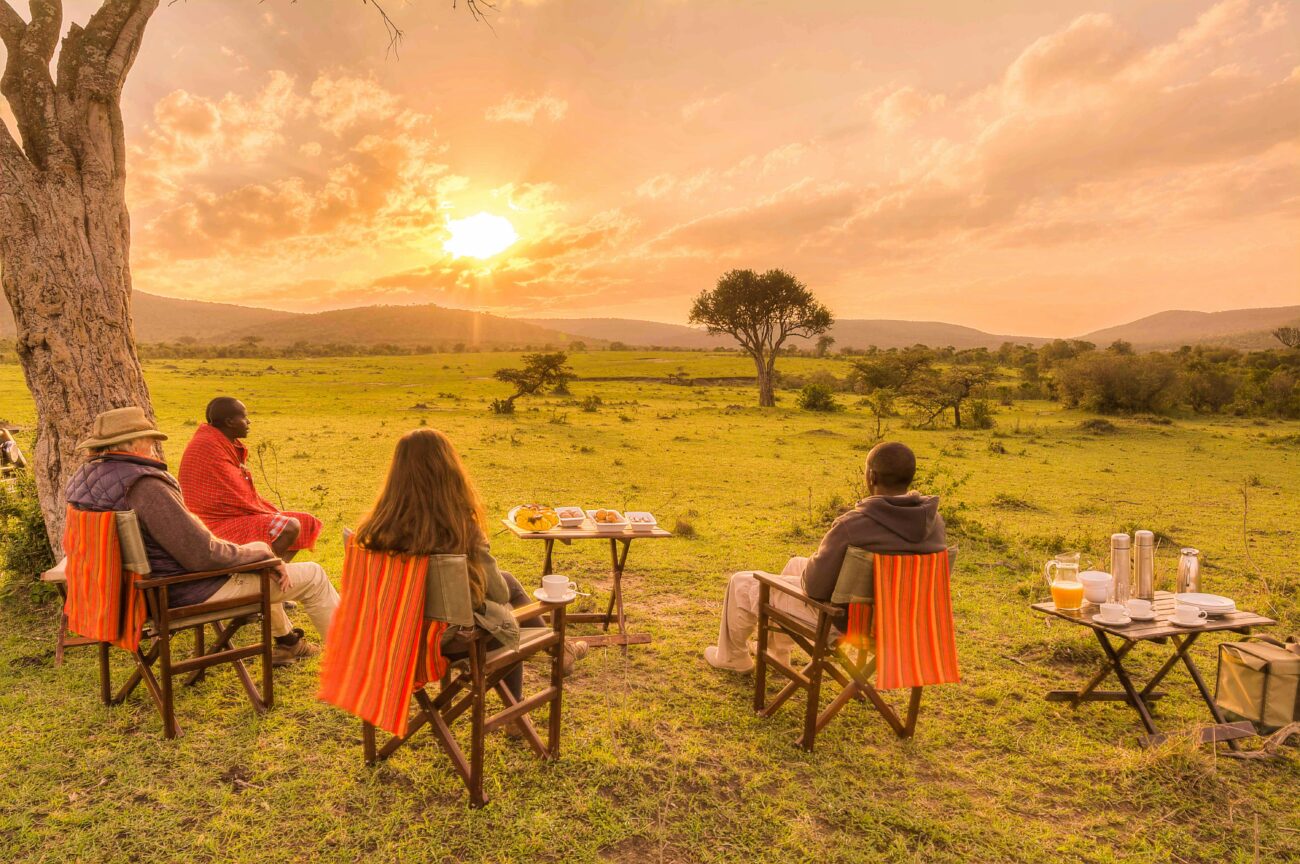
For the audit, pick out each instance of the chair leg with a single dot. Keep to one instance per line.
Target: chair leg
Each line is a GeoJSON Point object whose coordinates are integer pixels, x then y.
{"type": "Point", "coordinates": [558, 623]}
{"type": "Point", "coordinates": [913, 709]}
{"type": "Point", "coordinates": [477, 658]}
{"type": "Point", "coordinates": [200, 648]}
{"type": "Point", "coordinates": [368, 741]}
{"type": "Point", "coordinates": [105, 682]}
{"type": "Point", "coordinates": [170, 727]}
{"type": "Point", "coordinates": [760, 662]}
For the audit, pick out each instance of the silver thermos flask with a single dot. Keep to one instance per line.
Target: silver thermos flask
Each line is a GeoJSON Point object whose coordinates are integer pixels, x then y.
{"type": "Point", "coordinates": [1144, 564]}
{"type": "Point", "coordinates": [1121, 568]}
{"type": "Point", "coordinates": [1189, 571]}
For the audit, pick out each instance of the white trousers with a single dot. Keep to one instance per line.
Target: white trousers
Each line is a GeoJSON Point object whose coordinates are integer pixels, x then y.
{"type": "Point", "coordinates": [740, 613]}
{"type": "Point", "coordinates": [308, 585]}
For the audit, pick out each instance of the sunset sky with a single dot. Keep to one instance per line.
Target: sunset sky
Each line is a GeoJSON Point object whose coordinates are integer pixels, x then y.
{"type": "Point", "coordinates": [1033, 167]}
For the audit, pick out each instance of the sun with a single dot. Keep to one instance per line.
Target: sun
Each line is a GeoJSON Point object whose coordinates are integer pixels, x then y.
{"type": "Point", "coordinates": [479, 236]}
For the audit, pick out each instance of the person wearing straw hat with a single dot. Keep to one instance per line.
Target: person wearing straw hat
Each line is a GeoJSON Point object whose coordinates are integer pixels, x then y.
{"type": "Point", "coordinates": [124, 473]}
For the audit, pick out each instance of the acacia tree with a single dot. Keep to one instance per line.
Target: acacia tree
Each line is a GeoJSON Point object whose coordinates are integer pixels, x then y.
{"type": "Point", "coordinates": [1288, 336]}
{"type": "Point", "coordinates": [65, 235]}
{"type": "Point", "coordinates": [540, 372]}
{"type": "Point", "coordinates": [761, 312]}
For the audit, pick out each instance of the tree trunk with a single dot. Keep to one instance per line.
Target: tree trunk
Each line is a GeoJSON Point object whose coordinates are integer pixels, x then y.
{"type": "Point", "coordinates": [65, 235]}
{"type": "Point", "coordinates": [67, 280]}
{"type": "Point", "coordinates": [956, 414]}
{"type": "Point", "coordinates": [763, 367]}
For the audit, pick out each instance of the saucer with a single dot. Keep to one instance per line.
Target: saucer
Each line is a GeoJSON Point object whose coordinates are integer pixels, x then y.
{"type": "Point", "coordinates": [546, 598]}
{"type": "Point", "coordinates": [1150, 616]}
{"type": "Point", "coordinates": [1198, 623]}
{"type": "Point", "coordinates": [1112, 622]}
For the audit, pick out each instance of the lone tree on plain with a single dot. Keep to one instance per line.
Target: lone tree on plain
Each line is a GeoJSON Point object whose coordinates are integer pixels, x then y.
{"type": "Point", "coordinates": [65, 234]}
{"type": "Point", "coordinates": [540, 373]}
{"type": "Point", "coordinates": [761, 312]}
{"type": "Point", "coordinates": [1288, 336]}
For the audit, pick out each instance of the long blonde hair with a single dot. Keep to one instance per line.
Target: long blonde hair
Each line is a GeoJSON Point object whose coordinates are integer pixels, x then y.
{"type": "Point", "coordinates": [428, 506]}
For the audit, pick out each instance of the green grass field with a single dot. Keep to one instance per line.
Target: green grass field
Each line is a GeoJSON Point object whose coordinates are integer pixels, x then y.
{"type": "Point", "coordinates": [662, 758]}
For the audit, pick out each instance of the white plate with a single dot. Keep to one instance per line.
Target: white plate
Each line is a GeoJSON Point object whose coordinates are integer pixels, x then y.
{"type": "Point", "coordinates": [1213, 604]}
{"type": "Point", "coordinates": [546, 598]}
{"type": "Point", "coordinates": [1116, 623]}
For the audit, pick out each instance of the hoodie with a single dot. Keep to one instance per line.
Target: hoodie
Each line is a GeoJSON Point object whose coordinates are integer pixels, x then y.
{"type": "Point", "coordinates": [888, 524]}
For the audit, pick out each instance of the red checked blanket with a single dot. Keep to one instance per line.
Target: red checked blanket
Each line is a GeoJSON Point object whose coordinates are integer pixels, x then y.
{"type": "Point", "coordinates": [218, 488]}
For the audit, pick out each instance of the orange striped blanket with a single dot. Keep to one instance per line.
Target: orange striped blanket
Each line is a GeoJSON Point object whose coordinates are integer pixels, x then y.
{"type": "Point", "coordinates": [912, 624]}
{"type": "Point", "coordinates": [102, 601]}
{"type": "Point", "coordinates": [369, 665]}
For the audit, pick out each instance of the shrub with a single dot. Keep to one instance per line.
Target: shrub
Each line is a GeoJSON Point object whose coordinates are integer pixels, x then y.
{"type": "Point", "coordinates": [981, 414]}
{"type": "Point", "coordinates": [817, 397]}
{"type": "Point", "coordinates": [1097, 426]}
{"type": "Point", "coordinates": [24, 547]}
{"type": "Point", "coordinates": [591, 404]}
{"type": "Point", "coordinates": [1118, 383]}
{"type": "Point", "coordinates": [502, 406]}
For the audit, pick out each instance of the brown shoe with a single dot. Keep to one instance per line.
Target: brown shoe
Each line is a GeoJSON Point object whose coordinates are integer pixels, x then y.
{"type": "Point", "coordinates": [290, 649]}
{"type": "Point", "coordinates": [573, 652]}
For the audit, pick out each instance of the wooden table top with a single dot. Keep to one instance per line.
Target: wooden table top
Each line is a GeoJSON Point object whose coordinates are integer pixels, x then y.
{"type": "Point", "coordinates": [1161, 627]}
{"type": "Point", "coordinates": [585, 531]}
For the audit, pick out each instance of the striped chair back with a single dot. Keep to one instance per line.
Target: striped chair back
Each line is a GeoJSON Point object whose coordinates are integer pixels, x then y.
{"type": "Point", "coordinates": [102, 602]}
{"type": "Point", "coordinates": [369, 667]}
{"type": "Point", "coordinates": [911, 623]}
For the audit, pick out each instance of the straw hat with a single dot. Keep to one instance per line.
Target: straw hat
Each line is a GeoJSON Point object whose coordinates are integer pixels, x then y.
{"type": "Point", "coordinates": [119, 426]}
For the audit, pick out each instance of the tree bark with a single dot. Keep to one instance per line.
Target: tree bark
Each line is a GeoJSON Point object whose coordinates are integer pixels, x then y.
{"type": "Point", "coordinates": [65, 234]}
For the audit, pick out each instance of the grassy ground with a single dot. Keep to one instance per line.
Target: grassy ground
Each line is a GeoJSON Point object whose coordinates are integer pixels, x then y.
{"type": "Point", "coordinates": [662, 758]}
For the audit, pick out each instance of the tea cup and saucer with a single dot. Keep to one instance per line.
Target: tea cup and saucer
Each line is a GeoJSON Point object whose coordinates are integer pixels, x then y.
{"type": "Point", "coordinates": [556, 589]}
{"type": "Point", "coordinates": [1187, 615]}
{"type": "Point", "coordinates": [1140, 610]}
{"type": "Point", "coordinates": [1113, 614]}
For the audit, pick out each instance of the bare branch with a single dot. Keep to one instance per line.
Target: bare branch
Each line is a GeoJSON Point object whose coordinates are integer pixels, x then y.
{"type": "Point", "coordinates": [12, 26]}
{"type": "Point", "coordinates": [26, 82]}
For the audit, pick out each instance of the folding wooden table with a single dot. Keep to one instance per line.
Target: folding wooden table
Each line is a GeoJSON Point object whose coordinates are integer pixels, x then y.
{"type": "Point", "coordinates": [1158, 631]}
{"type": "Point", "coordinates": [619, 543]}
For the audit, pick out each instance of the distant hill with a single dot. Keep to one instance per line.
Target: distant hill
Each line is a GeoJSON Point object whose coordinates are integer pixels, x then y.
{"type": "Point", "coordinates": [406, 326]}
{"type": "Point", "coordinates": [848, 333]}
{"type": "Point", "coordinates": [1236, 328]}
{"type": "Point", "coordinates": [166, 319]}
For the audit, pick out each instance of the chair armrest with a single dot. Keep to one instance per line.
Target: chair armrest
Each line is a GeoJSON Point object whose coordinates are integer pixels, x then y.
{"type": "Point", "coordinates": [531, 610]}
{"type": "Point", "coordinates": [773, 582]}
{"type": "Point", "coordinates": [256, 566]}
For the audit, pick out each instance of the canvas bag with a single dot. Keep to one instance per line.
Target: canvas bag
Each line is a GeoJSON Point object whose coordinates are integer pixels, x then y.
{"type": "Point", "coordinates": [1259, 681]}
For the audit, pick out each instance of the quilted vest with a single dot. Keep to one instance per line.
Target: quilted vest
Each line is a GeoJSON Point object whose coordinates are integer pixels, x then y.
{"type": "Point", "coordinates": [103, 484]}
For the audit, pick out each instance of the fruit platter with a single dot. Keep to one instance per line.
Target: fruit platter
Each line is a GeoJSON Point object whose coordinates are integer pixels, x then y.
{"type": "Point", "coordinates": [533, 517]}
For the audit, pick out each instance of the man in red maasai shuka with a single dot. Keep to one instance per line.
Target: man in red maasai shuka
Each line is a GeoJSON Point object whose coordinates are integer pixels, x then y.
{"type": "Point", "coordinates": [218, 488]}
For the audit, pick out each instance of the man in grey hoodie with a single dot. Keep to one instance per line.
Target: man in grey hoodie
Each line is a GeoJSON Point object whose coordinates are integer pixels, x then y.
{"type": "Point", "coordinates": [891, 520]}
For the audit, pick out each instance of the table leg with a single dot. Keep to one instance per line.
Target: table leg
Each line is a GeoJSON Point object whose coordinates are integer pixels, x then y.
{"type": "Point", "coordinates": [1134, 697]}
{"type": "Point", "coordinates": [547, 567]}
{"type": "Point", "coordinates": [1182, 651]}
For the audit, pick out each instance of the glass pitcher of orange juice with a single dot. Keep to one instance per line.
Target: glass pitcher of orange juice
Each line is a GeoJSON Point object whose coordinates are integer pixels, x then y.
{"type": "Point", "coordinates": [1062, 575]}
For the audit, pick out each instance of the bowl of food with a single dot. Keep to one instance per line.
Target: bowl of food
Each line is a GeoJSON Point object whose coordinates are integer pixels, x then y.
{"type": "Point", "coordinates": [571, 517]}
{"type": "Point", "coordinates": [534, 518]}
{"type": "Point", "coordinates": [639, 520]}
{"type": "Point", "coordinates": [608, 521]}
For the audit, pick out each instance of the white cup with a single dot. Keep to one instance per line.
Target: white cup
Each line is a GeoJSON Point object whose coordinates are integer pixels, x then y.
{"type": "Point", "coordinates": [557, 587]}
{"type": "Point", "coordinates": [1114, 613]}
{"type": "Point", "coordinates": [1186, 613]}
{"type": "Point", "coordinates": [1139, 608]}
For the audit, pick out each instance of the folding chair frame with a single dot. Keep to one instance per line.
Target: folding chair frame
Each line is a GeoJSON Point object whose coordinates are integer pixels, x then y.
{"type": "Point", "coordinates": [828, 658]}
{"type": "Point", "coordinates": [166, 622]}
{"type": "Point", "coordinates": [465, 688]}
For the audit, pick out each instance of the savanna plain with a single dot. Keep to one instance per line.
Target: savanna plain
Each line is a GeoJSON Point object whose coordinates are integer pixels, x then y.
{"type": "Point", "coordinates": [662, 758]}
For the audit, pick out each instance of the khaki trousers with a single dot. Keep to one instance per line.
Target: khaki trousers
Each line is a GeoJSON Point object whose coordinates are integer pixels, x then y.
{"type": "Point", "coordinates": [740, 613]}
{"type": "Point", "coordinates": [308, 585]}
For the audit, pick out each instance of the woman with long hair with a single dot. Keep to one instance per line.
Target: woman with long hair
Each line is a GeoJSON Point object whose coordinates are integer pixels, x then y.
{"type": "Point", "coordinates": [430, 506]}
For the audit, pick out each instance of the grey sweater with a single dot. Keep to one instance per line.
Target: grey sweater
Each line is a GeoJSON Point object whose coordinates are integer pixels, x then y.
{"type": "Point", "coordinates": [897, 524]}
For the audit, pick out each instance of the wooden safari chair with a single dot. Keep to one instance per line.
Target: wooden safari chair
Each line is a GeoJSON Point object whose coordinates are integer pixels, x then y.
{"type": "Point", "coordinates": [387, 642]}
{"type": "Point", "coordinates": [907, 643]}
{"type": "Point", "coordinates": [109, 602]}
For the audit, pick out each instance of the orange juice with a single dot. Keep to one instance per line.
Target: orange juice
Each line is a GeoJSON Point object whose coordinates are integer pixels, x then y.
{"type": "Point", "coordinates": [1067, 595]}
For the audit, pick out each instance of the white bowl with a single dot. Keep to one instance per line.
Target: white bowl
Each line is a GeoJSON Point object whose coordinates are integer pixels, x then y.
{"type": "Point", "coordinates": [641, 520]}
{"type": "Point", "coordinates": [608, 527]}
{"type": "Point", "coordinates": [571, 521]}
